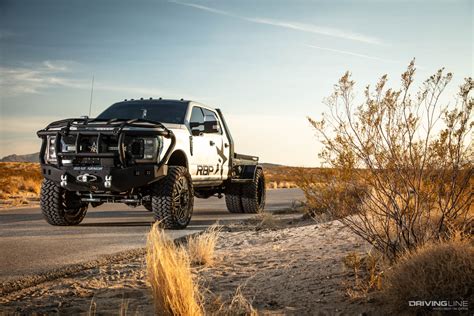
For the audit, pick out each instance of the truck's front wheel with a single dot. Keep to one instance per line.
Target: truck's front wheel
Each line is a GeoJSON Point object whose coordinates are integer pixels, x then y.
{"type": "Point", "coordinates": [59, 206]}
{"type": "Point", "coordinates": [173, 198]}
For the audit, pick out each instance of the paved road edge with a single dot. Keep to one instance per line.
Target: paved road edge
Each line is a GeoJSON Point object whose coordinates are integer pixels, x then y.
{"type": "Point", "coordinates": [21, 283]}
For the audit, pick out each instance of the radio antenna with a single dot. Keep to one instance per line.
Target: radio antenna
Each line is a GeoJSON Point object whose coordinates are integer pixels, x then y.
{"type": "Point", "coordinates": [92, 92]}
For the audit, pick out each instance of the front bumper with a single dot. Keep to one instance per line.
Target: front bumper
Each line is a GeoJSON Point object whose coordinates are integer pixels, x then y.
{"type": "Point", "coordinates": [101, 178]}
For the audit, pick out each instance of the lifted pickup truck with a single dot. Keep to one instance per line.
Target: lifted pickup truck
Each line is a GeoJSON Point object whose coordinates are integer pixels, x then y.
{"type": "Point", "coordinates": [151, 152]}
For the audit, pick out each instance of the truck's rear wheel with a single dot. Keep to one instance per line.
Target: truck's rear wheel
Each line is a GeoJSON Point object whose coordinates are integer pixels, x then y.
{"type": "Point", "coordinates": [253, 194]}
{"type": "Point", "coordinates": [59, 206]}
{"type": "Point", "coordinates": [173, 198]}
{"type": "Point", "coordinates": [233, 199]}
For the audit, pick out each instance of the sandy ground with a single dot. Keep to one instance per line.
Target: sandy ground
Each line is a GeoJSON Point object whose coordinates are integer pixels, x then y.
{"type": "Point", "coordinates": [294, 268]}
{"type": "Point", "coordinates": [17, 201]}
{"type": "Point", "coordinates": [282, 265]}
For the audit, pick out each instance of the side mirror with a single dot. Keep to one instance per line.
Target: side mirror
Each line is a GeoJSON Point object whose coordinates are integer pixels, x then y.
{"type": "Point", "coordinates": [196, 128]}
{"type": "Point", "coordinates": [196, 132]}
{"type": "Point", "coordinates": [210, 124]}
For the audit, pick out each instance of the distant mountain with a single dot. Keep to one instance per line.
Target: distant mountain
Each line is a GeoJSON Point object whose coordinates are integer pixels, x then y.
{"type": "Point", "coordinates": [21, 158]}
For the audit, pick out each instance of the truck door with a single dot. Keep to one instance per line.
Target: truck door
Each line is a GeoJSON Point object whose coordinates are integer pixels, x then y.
{"type": "Point", "coordinates": [205, 157]}
{"type": "Point", "coordinates": [219, 150]}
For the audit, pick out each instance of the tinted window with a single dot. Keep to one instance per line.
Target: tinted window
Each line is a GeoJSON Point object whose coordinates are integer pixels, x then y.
{"type": "Point", "coordinates": [208, 112]}
{"type": "Point", "coordinates": [197, 119]}
{"type": "Point", "coordinates": [160, 111]}
{"type": "Point", "coordinates": [197, 116]}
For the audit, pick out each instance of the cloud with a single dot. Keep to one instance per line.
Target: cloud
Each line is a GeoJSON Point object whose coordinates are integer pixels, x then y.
{"type": "Point", "coordinates": [51, 74]}
{"type": "Point", "coordinates": [204, 8]}
{"type": "Point", "coordinates": [352, 54]}
{"type": "Point", "coordinates": [33, 79]}
{"type": "Point", "coordinates": [302, 27]}
{"type": "Point", "coordinates": [322, 30]}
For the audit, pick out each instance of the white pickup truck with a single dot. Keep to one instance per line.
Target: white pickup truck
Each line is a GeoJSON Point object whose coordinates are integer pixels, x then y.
{"type": "Point", "coordinates": [152, 152]}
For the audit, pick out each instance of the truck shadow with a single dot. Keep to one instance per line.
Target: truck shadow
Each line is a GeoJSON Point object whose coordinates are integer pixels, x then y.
{"type": "Point", "coordinates": [118, 224]}
{"type": "Point", "coordinates": [195, 224]}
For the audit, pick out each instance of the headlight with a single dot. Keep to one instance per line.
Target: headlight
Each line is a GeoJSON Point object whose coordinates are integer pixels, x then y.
{"type": "Point", "coordinates": [144, 149]}
{"type": "Point", "coordinates": [151, 148]}
{"type": "Point", "coordinates": [50, 155]}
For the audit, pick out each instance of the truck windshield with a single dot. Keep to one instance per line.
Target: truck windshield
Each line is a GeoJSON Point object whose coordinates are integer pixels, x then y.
{"type": "Point", "coordinates": [162, 111]}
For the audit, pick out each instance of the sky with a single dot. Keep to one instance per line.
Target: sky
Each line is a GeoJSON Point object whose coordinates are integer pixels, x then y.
{"type": "Point", "coordinates": [267, 64]}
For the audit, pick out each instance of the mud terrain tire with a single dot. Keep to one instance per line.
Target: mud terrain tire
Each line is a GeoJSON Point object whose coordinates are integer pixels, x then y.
{"type": "Point", "coordinates": [172, 199]}
{"type": "Point", "coordinates": [253, 194]}
{"type": "Point", "coordinates": [59, 206]}
{"type": "Point", "coordinates": [233, 199]}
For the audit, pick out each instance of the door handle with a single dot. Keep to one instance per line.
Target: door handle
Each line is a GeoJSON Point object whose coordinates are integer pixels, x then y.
{"type": "Point", "coordinates": [212, 143]}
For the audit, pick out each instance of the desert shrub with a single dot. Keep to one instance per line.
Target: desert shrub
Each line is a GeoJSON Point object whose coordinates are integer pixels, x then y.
{"type": "Point", "coordinates": [19, 178]}
{"type": "Point", "coordinates": [265, 220]}
{"type": "Point", "coordinates": [201, 247]}
{"type": "Point", "coordinates": [277, 177]}
{"type": "Point", "coordinates": [238, 305]}
{"type": "Point", "coordinates": [412, 156]}
{"type": "Point", "coordinates": [368, 271]}
{"type": "Point", "coordinates": [169, 274]}
{"type": "Point", "coordinates": [332, 194]}
{"type": "Point", "coordinates": [437, 271]}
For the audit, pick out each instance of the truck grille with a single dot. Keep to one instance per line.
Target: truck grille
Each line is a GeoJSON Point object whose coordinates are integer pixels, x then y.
{"type": "Point", "coordinates": [89, 144]}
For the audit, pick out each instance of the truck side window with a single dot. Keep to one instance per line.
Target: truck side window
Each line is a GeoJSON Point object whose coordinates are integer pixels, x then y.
{"type": "Point", "coordinates": [197, 119]}
{"type": "Point", "coordinates": [207, 112]}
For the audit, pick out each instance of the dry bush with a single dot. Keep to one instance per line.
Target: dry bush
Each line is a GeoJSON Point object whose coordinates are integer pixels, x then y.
{"type": "Point", "coordinates": [332, 194]}
{"type": "Point", "coordinates": [19, 179]}
{"type": "Point", "coordinates": [239, 305]}
{"type": "Point", "coordinates": [265, 220]}
{"type": "Point", "coordinates": [437, 271]}
{"type": "Point", "coordinates": [277, 177]}
{"type": "Point", "coordinates": [169, 274]}
{"type": "Point", "coordinates": [201, 247]}
{"type": "Point", "coordinates": [404, 164]}
{"type": "Point", "coordinates": [368, 272]}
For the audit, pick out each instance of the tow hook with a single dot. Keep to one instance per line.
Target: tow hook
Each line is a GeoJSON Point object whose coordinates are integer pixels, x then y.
{"type": "Point", "coordinates": [108, 181]}
{"type": "Point", "coordinates": [86, 178]}
{"type": "Point", "coordinates": [63, 180]}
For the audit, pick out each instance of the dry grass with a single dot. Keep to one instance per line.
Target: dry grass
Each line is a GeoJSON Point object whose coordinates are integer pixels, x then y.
{"type": "Point", "coordinates": [436, 271]}
{"type": "Point", "coordinates": [266, 220]}
{"type": "Point", "coordinates": [19, 180]}
{"type": "Point", "coordinates": [283, 177]}
{"type": "Point", "coordinates": [368, 272]}
{"type": "Point", "coordinates": [201, 247]}
{"type": "Point", "coordinates": [239, 305]}
{"type": "Point", "coordinates": [169, 274]}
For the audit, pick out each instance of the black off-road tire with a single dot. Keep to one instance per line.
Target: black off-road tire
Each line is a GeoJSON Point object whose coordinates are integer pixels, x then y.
{"type": "Point", "coordinates": [253, 194]}
{"type": "Point", "coordinates": [172, 199]}
{"type": "Point", "coordinates": [148, 207]}
{"type": "Point", "coordinates": [59, 206]}
{"type": "Point", "coordinates": [233, 199]}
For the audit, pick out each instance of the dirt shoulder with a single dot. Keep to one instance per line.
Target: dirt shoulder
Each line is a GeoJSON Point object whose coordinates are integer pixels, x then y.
{"type": "Point", "coordinates": [282, 264]}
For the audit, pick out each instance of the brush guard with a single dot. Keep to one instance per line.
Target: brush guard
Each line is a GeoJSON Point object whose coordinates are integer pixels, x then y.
{"type": "Point", "coordinates": [109, 176]}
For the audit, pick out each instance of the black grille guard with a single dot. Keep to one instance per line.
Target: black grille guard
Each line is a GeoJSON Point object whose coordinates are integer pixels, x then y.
{"type": "Point", "coordinates": [99, 127]}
